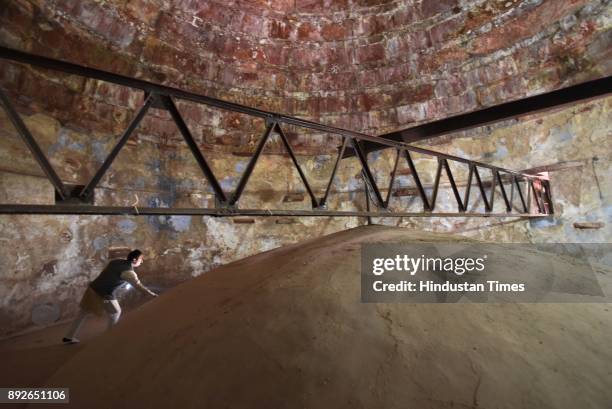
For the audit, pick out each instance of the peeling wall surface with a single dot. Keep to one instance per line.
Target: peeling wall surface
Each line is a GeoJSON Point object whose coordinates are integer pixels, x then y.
{"type": "Point", "coordinates": [368, 66]}
{"type": "Point", "coordinates": [575, 143]}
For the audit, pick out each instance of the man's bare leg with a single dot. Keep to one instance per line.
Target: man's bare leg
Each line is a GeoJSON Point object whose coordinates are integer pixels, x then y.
{"type": "Point", "coordinates": [114, 312]}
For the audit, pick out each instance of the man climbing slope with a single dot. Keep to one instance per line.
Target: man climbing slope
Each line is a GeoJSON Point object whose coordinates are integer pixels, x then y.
{"type": "Point", "coordinates": [99, 298]}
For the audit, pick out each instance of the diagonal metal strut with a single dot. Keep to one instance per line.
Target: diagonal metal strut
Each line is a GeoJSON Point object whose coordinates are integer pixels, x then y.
{"type": "Point", "coordinates": [34, 148]}
{"type": "Point", "coordinates": [193, 146]}
{"type": "Point", "coordinates": [88, 189]}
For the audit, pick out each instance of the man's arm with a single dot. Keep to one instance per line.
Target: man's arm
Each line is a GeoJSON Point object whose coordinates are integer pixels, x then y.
{"type": "Point", "coordinates": [131, 277]}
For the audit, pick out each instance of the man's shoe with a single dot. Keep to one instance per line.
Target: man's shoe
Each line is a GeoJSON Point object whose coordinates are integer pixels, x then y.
{"type": "Point", "coordinates": [70, 340]}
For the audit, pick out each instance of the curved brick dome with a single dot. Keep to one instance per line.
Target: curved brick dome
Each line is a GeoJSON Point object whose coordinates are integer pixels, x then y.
{"type": "Point", "coordinates": [370, 66]}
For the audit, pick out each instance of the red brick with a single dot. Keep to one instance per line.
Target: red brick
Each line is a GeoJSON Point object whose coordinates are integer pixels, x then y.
{"type": "Point", "coordinates": [118, 95]}
{"type": "Point", "coordinates": [157, 126]}
{"type": "Point", "coordinates": [524, 26]}
{"type": "Point", "coordinates": [336, 31]}
{"type": "Point", "coordinates": [46, 93]}
{"type": "Point", "coordinates": [413, 94]}
{"type": "Point", "coordinates": [194, 113]}
{"type": "Point", "coordinates": [335, 5]}
{"type": "Point", "coordinates": [369, 53]}
{"type": "Point", "coordinates": [403, 17]}
{"type": "Point", "coordinates": [211, 12]}
{"type": "Point", "coordinates": [431, 8]}
{"type": "Point", "coordinates": [308, 5]}
{"type": "Point", "coordinates": [334, 54]}
{"type": "Point", "coordinates": [143, 10]}
{"type": "Point", "coordinates": [333, 104]}
{"type": "Point", "coordinates": [447, 29]}
{"type": "Point", "coordinates": [19, 15]}
{"type": "Point", "coordinates": [277, 54]}
{"type": "Point", "coordinates": [306, 31]}
{"type": "Point", "coordinates": [103, 21]}
{"type": "Point", "coordinates": [450, 85]}
{"type": "Point", "coordinates": [90, 114]}
{"type": "Point", "coordinates": [371, 101]}
{"type": "Point", "coordinates": [248, 23]}
{"type": "Point", "coordinates": [411, 113]}
{"type": "Point", "coordinates": [370, 77]}
{"type": "Point", "coordinates": [175, 31]}
{"type": "Point", "coordinates": [279, 29]}
{"type": "Point", "coordinates": [305, 57]}
{"type": "Point", "coordinates": [507, 90]}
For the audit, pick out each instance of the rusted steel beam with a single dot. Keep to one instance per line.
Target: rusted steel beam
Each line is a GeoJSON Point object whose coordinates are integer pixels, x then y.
{"type": "Point", "coordinates": [503, 191]}
{"type": "Point", "coordinates": [88, 189]}
{"type": "Point", "coordinates": [323, 201]}
{"type": "Point", "coordinates": [451, 179]}
{"type": "Point", "coordinates": [193, 147]}
{"type": "Point", "coordinates": [228, 212]}
{"type": "Point", "coordinates": [368, 177]}
{"type": "Point", "coordinates": [538, 103]}
{"type": "Point", "coordinates": [434, 194]}
{"type": "Point", "coordinates": [392, 178]}
{"type": "Point", "coordinates": [161, 90]}
{"type": "Point", "coordinates": [34, 148]}
{"type": "Point", "coordinates": [251, 165]}
{"type": "Point", "coordinates": [417, 181]}
{"type": "Point", "coordinates": [281, 133]}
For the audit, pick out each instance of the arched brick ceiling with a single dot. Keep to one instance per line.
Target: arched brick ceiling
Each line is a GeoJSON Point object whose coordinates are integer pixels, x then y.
{"type": "Point", "coordinates": [370, 66]}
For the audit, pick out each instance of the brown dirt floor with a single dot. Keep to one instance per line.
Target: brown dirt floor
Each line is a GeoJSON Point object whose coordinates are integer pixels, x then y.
{"type": "Point", "coordinates": [286, 329]}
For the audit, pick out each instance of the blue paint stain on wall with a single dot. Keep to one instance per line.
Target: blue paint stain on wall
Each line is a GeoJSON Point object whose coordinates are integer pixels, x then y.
{"type": "Point", "coordinates": [544, 222]}
{"type": "Point", "coordinates": [64, 142]}
{"type": "Point", "coordinates": [559, 135]}
{"type": "Point", "coordinates": [353, 185]}
{"type": "Point", "coordinates": [99, 150]}
{"type": "Point", "coordinates": [100, 243]}
{"type": "Point", "coordinates": [373, 156]}
{"type": "Point", "coordinates": [166, 184]}
{"type": "Point", "coordinates": [227, 183]}
{"type": "Point", "coordinates": [240, 166]}
{"type": "Point", "coordinates": [320, 161]}
{"type": "Point", "coordinates": [157, 222]}
{"type": "Point", "coordinates": [154, 201]}
{"type": "Point", "coordinates": [187, 184]}
{"type": "Point", "coordinates": [501, 153]}
{"type": "Point", "coordinates": [154, 165]}
{"type": "Point", "coordinates": [127, 225]}
{"type": "Point", "coordinates": [180, 223]}
{"type": "Point", "coordinates": [139, 182]}
{"type": "Point", "coordinates": [403, 180]}
{"type": "Point", "coordinates": [171, 224]}
{"type": "Point", "coordinates": [57, 146]}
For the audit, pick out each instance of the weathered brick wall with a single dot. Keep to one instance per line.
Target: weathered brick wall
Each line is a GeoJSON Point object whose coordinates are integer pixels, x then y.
{"type": "Point", "coordinates": [364, 65]}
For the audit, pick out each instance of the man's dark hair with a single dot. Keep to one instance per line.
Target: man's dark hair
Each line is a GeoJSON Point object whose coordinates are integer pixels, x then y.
{"type": "Point", "coordinates": [134, 254]}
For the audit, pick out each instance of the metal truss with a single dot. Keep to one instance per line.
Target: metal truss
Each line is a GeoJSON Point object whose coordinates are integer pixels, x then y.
{"type": "Point", "coordinates": [534, 194]}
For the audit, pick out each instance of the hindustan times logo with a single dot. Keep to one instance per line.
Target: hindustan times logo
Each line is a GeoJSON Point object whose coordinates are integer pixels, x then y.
{"type": "Point", "coordinates": [412, 265]}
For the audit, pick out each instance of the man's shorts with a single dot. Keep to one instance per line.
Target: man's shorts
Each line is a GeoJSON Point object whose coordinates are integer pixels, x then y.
{"type": "Point", "coordinates": [94, 304]}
